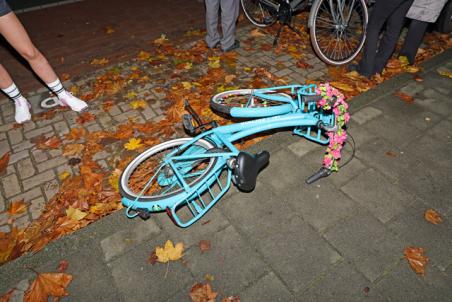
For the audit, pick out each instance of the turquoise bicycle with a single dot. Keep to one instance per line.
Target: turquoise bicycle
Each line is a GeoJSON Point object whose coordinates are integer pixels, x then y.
{"type": "Point", "coordinates": [187, 176]}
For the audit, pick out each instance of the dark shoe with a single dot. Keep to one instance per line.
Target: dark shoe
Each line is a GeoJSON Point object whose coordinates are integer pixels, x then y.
{"type": "Point", "coordinates": [233, 46]}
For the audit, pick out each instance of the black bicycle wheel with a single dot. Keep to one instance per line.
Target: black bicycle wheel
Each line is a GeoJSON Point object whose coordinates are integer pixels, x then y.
{"type": "Point", "coordinates": [338, 29]}
{"type": "Point", "coordinates": [261, 13]}
{"type": "Point", "coordinates": [164, 185]}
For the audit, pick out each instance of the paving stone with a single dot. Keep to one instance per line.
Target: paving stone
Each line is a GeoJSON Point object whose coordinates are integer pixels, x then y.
{"type": "Point", "coordinates": [49, 164]}
{"type": "Point", "coordinates": [55, 152]}
{"type": "Point", "coordinates": [442, 131]}
{"type": "Point", "coordinates": [51, 188]}
{"type": "Point", "coordinates": [307, 255]}
{"type": "Point", "coordinates": [39, 156]}
{"type": "Point", "coordinates": [114, 110]}
{"type": "Point", "coordinates": [29, 195]}
{"type": "Point", "coordinates": [38, 179]}
{"type": "Point", "coordinates": [15, 136]}
{"type": "Point", "coordinates": [2, 203]}
{"type": "Point", "coordinates": [303, 147]}
{"type": "Point", "coordinates": [412, 89]}
{"type": "Point", "coordinates": [61, 128]}
{"type": "Point", "coordinates": [6, 127]}
{"type": "Point", "coordinates": [231, 260]}
{"type": "Point", "coordinates": [382, 198]}
{"type": "Point", "coordinates": [367, 243]}
{"type": "Point", "coordinates": [148, 113]}
{"type": "Point", "coordinates": [19, 293]}
{"type": "Point", "coordinates": [22, 222]}
{"type": "Point", "coordinates": [365, 115]}
{"type": "Point", "coordinates": [39, 131]}
{"type": "Point", "coordinates": [23, 146]}
{"type": "Point", "coordinates": [15, 157]}
{"type": "Point", "coordinates": [433, 94]}
{"type": "Point", "coordinates": [30, 125]}
{"type": "Point", "coordinates": [178, 276]}
{"type": "Point", "coordinates": [315, 75]}
{"type": "Point", "coordinates": [4, 217]}
{"type": "Point", "coordinates": [25, 168]}
{"type": "Point", "coordinates": [268, 288]}
{"type": "Point", "coordinates": [283, 72]}
{"type": "Point", "coordinates": [36, 207]}
{"type": "Point", "coordinates": [122, 241]}
{"type": "Point", "coordinates": [10, 185]}
{"type": "Point", "coordinates": [5, 229]}
{"type": "Point", "coordinates": [2, 137]}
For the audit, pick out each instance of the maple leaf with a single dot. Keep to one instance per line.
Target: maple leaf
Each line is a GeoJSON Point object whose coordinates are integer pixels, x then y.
{"type": "Point", "coordinates": [416, 258]}
{"type": "Point", "coordinates": [214, 62]}
{"type": "Point", "coordinates": [303, 65]}
{"type": "Point", "coordinates": [17, 207]}
{"type": "Point", "coordinates": [161, 40]}
{"type": "Point", "coordinates": [113, 179]}
{"type": "Point", "coordinates": [134, 143]}
{"type": "Point", "coordinates": [138, 104]}
{"type": "Point", "coordinates": [131, 95]}
{"type": "Point", "coordinates": [75, 134]}
{"type": "Point", "coordinates": [102, 61]}
{"type": "Point", "coordinates": [47, 143]}
{"type": "Point", "coordinates": [169, 252]}
{"type": "Point", "coordinates": [85, 117]}
{"type": "Point", "coordinates": [255, 33]}
{"type": "Point", "coordinates": [75, 214]}
{"type": "Point", "coordinates": [204, 245]}
{"type": "Point", "coordinates": [404, 97]}
{"type": "Point", "coordinates": [4, 160]}
{"type": "Point", "coordinates": [73, 149]}
{"type": "Point", "coordinates": [202, 293]}
{"type": "Point", "coordinates": [48, 284]}
{"type": "Point", "coordinates": [432, 216]}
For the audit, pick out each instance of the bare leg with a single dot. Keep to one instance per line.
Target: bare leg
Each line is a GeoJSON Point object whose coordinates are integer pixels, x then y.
{"type": "Point", "coordinates": [15, 34]}
{"type": "Point", "coordinates": [5, 78]}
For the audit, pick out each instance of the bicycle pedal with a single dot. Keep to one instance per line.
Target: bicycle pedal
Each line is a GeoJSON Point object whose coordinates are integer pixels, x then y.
{"type": "Point", "coordinates": [187, 121]}
{"type": "Point", "coordinates": [144, 214]}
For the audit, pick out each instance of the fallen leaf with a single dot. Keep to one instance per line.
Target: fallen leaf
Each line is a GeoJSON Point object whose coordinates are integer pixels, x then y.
{"type": "Point", "coordinates": [131, 95]}
{"type": "Point", "coordinates": [209, 277]}
{"type": "Point", "coordinates": [187, 85]}
{"type": "Point", "coordinates": [303, 65]}
{"type": "Point", "coordinates": [188, 65]}
{"type": "Point", "coordinates": [85, 117]}
{"type": "Point", "coordinates": [404, 97]}
{"type": "Point", "coordinates": [113, 179]}
{"type": "Point", "coordinates": [109, 30]}
{"type": "Point", "coordinates": [255, 33]}
{"type": "Point", "coordinates": [342, 86]}
{"type": "Point", "coordinates": [64, 175]}
{"type": "Point", "coordinates": [134, 143]}
{"type": "Point", "coordinates": [202, 293]}
{"type": "Point", "coordinates": [214, 62]}
{"type": "Point", "coordinates": [75, 214]}
{"type": "Point", "coordinates": [47, 143]}
{"type": "Point", "coordinates": [445, 73]}
{"type": "Point", "coordinates": [4, 160]}
{"type": "Point", "coordinates": [17, 207]}
{"type": "Point", "coordinates": [169, 252]}
{"type": "Point", "coordinates": [144, 55]}
{"type": "Point", "coordinates": [161, 40]}
{"type": "Point", "coordinates": [102, 61]}
{"type": "Point", "coordinates": [6, 297]}
{"type": "Point", "coordinates": [152, 259]}
{"type": "Point", "coordinates": [65, 76]}
{"type": "Point", "coordinates": [418, 78]}
{"type": "Point", "coordinates": [48, 284]}
{"type": "Point", "coordinates": [231, 299]}
{"type": "Point", "coordinates": [138, 104]}
{"type": "Point", "coordinates": [229, 78]}
{"type": "Point", "coordinates": [390, 154]}
{"type": "Point", "coordinates": [204, 245]}
{"type": "Point", "coordinates": [432, 216]}
{"type": "Point", "coordinates": [73, 149]}
{"type": "Point", "coordinates": [62, 267]}
{"type": "Point", "coordinates": [75, 134]}
{"type": "Point", "coordinates": [74, 161]}
{"type": "Point", "coordinates": [416, 258]}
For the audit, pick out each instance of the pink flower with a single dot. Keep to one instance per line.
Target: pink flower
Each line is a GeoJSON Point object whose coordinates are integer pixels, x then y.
{"type": "Point", "coordinates": [336, 153]}
{"type": "Point", "coordinates": [347, 117]}
{"type": "Point", "coordinates": [327, 161]}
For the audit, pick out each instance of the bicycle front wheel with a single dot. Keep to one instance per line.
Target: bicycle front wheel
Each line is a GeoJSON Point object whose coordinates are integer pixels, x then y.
{"type": "Point", "coordinates": [149, 179]}
{"type": "Point", "coordinates": [246, 104]}
{"type": "Point", "coordinates": [338, 29]}
{"type": "Point", "coordinates": [261, 13]}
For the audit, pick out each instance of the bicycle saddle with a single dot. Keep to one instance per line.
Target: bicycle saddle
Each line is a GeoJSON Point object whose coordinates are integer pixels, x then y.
{"type": "Point", "coordinates": [246, 169]}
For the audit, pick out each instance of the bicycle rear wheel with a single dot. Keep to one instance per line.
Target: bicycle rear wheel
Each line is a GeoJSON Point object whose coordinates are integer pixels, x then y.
{"type": "Point", "coordinates": [165, 184]}
{"type": "Point", "coordinates": [241, 100]}
{"type": "Point", "coordinates": [338, 29]}
{"type": "Point", "coordinates": [261, 13]}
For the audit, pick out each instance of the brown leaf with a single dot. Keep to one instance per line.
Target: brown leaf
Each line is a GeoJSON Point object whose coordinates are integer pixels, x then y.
{"type": "Point", "coordinates": [6, 297]}
{"type": "Point", "coordinates": [416, 258]}
{"type": "Point", "coordinates": [65, 76]}
{"type": "Point", "coordinates": [152, 259]}
{"type": "Point", "coordinates": [432, 216]}
{"type": "Point", "coordinates": [62, 267]}
{"type": "Point", "coordinates": [204, 245]}
{"type": "Point", "coordinates": [404, 97]}
{"type": "Point", "coordinates": [303, 64]}
{"type": "Point", "coordinates": [75, 134]}
{"type": "Point", "coordinates": [4, 160]}
{"type": "Point", "coordinates": [47, 284]}
{"type": "Point", "coordinates": [418, 78]}
{"type": "Point", "coordinates": [85, 117]}
{"type": "Point", "coordinates": [17, 207]}
{"type": "Point", "coordinates": [390, 154]}
{"type": "Point", "coordinates": [256, 33]}
{"type": "Point", "coordinates": [73, 149]}
{"type": "Point", "coordinates": [202, 293]}
{"type": "Point", "coordinates": [74, 161]}
{"type": "Point", "coordinates": [47, 143]}
{"type": "Point", "coordinates": [231, 299]}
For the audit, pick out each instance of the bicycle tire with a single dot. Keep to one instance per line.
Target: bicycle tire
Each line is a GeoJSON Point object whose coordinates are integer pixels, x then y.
{"type": "Point", "coordinates": [331, 58]}
{"type": "Point", "coordinates": [125, 176]}
{"type": "Point", "coordinates": [259, 109]}
{"type": "Point", "coordinates": [249, 6]}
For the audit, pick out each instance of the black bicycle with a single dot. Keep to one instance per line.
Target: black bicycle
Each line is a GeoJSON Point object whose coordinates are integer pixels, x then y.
{"type": "Point", "coordinates": [337, 27]}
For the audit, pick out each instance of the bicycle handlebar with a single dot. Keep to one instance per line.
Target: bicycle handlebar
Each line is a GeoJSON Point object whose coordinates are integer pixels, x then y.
{"type": "Point", "coordinates": [323, 172]}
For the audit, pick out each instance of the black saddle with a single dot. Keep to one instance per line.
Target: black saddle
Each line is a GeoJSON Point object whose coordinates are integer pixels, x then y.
{"type": "Point", "coordinates": [247, 167]}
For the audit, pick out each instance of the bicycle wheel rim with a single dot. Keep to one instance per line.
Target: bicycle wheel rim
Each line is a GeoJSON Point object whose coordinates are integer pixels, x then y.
{"type": "Point", "coordinates": [334, 43]}
{"type": "Point", "coordinates": [243, 98]}
{"type": "Point", "coordinates": [257, 14]}
{"type": "Point", "coordinates": [132, 194]}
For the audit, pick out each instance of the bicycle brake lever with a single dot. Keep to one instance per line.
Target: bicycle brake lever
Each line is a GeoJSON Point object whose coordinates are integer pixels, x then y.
{"type": "Point", "coordinates": [322, 126]}
{"type": "Point", "coordinates": [323, 172]}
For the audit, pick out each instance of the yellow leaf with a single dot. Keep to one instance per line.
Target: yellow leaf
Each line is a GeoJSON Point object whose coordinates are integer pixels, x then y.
{"type": "Point", "coordinates": [247, 69]}
{"type": "Point", "coordinates": [411, 69]}
{"type": "Point", "coordinates": [229, 78]}
{"type": "Point", "coordinates": [292, 48]}
{"type": "Point", "coordinates": [446, 73]}
{"type": "Point", "coordinates": [131, 95]}
{"type": "Point", "coordinates": [188, 66]}
{"type": "Point", "coordinates": [62, 176]}
{"type": "Point", "coordinates": [102, 61]}
{"type": "Point", "coordinates": [144, 55]}
{"type": "Point", "coordinates": [256, 33]}
{"type": "Point", "coordinates": [161, 40]}
{"type": "Point", "coordinates": [75, 90]}
{"type": "Point", "coordinates": [109, 30]}
{"type": "Point", "coordinates": [214, 62]}
{"type": "Point", "coordinates": [187, 85]}
{"type": "Point", "coordinates": [169, 252]}
{"type": "Point", "coordinates": [75, 214]}
{"type": "Point", "coordinates": [138, 104]}
{"type": "Point", "coordinates": [134, 143]}
{"type": "Point", "coordinates": [113, 180]}
{"type": "Point", "coordinates": [342, 86]}
{"type": "Point", "coordinates": [403, 61]}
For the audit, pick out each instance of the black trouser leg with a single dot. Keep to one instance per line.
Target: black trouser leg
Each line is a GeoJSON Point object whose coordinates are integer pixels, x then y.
{"type": "Point", "coordinates": [413, 39]}
{"type": "Point", "coordinates": [380, 13]}
{"type": "Point", "coordinates": [391, 35]}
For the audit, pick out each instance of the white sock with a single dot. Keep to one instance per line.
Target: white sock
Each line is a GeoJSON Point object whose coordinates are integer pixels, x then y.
{"type": "Point", "coordinates": [56, 87]}
{"type": "Point", "coordinates": [12, 92]}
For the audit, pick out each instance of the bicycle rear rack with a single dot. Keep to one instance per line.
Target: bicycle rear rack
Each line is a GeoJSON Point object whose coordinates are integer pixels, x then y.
{"type": "Point", "coordinates": [200, 200]}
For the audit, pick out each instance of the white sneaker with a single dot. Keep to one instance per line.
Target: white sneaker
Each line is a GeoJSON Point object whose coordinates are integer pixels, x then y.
{"type": "Point", "coordinates": [67, 99]}
{"type": "Point", "coordinates": [22, 110]}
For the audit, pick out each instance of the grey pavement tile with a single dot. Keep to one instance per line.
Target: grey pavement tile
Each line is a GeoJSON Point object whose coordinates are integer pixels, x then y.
{"type": "Point", "coordinates": [293, 249]}
{"type": "Point", "coordinates": [365, 115]}
{"type": "Point", "coordinates": [436, 239]}
{"type": "Point", "coordinates": [347, 172]}
{"type": "Point", "coordinates": [402, 284]}
{"type": "Point", "coordinates": [342, 283]}
{"type": "Point", "coordinates": [424, 120]}
{"type": "Point", "coordinates": [267, 289]}
{"type": "Point", "coordinates": [232, 261]}
{"type": "Point", "coordinates": [442, 131]}
{"type": "Point", "coordinates": [360, 135]}
{"type": "Point", "coordinates": [383, 198]}
{"type": "Point", "coordinates": [137, 280]}
{"type": "Point", "coordinates": [365, 241]}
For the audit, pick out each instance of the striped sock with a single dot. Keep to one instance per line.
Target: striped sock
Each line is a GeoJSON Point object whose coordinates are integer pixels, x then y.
{"type": "Point", "coordinates": [56, 87]}
{"type": "Point", "coordinates": [12, 92]}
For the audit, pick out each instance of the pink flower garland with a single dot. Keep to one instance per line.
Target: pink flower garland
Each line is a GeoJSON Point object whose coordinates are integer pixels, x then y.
{"type": "Point", "coordinates": [332, 99]}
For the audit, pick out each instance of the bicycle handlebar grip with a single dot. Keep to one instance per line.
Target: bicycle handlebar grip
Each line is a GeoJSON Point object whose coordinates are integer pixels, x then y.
{"type": "Point", "coordinates": [323, 172]}
{"type": "Point", "coordinates": [312, 98]}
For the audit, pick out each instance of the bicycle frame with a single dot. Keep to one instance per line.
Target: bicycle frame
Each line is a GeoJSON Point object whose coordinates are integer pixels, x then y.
{"type": "Point", "coordinates": [304, 118]}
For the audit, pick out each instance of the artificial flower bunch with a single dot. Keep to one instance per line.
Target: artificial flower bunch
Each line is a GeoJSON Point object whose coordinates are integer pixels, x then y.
{"type": "Point", "coordinates": [333, 99]}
